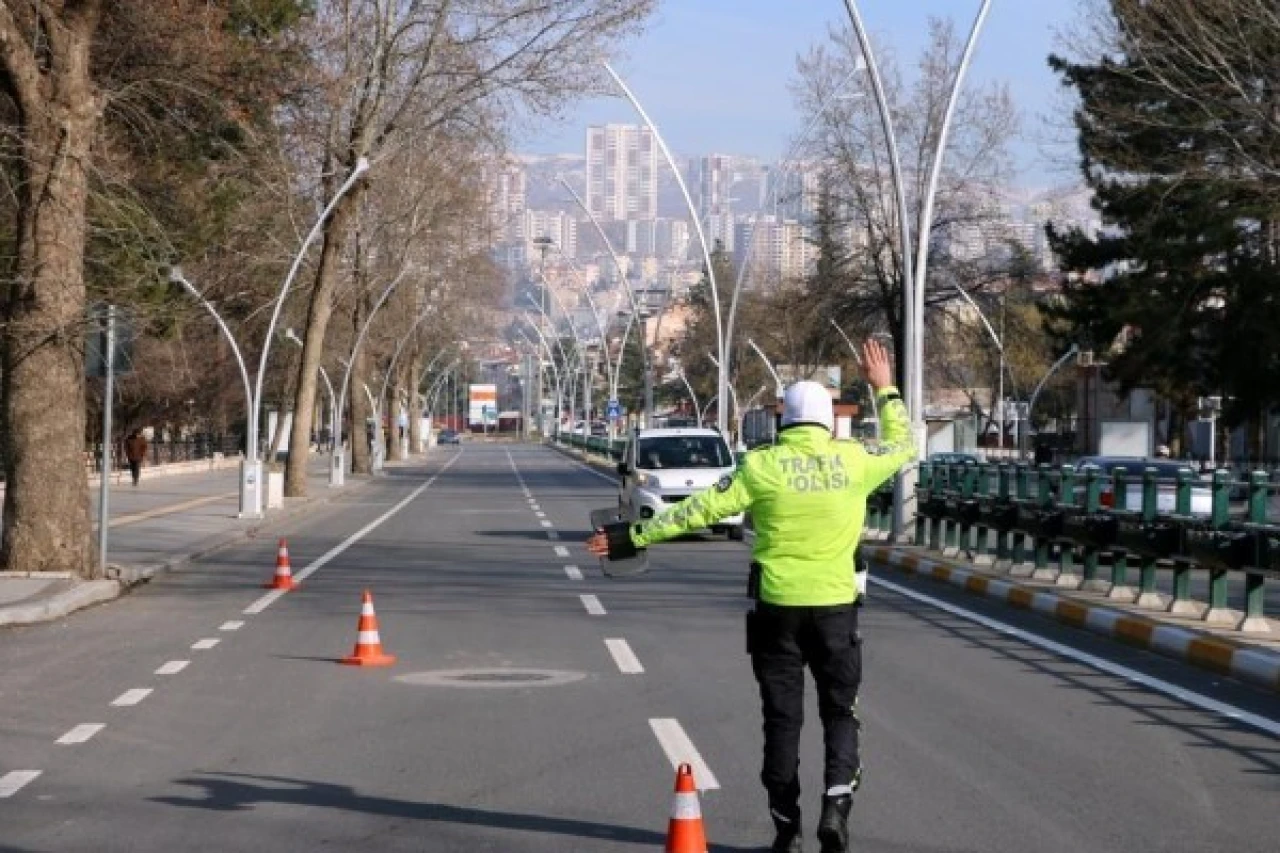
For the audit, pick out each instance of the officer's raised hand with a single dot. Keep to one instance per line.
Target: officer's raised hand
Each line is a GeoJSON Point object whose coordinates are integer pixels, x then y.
{"type": "Point", "coordinates": [875, 360]}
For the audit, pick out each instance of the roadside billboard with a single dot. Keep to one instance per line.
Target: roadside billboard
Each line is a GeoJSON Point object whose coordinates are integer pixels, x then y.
{"type": "Point", "coordinates": [482, 406]}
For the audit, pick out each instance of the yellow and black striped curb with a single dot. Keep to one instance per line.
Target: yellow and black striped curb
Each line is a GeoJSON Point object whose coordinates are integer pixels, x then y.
{"type": "Point", "coordinates": [1256, 666]}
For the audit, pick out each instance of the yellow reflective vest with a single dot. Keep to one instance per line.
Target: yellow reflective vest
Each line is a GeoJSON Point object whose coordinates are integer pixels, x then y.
{"type": "Point", "coordinates": [808, 497]}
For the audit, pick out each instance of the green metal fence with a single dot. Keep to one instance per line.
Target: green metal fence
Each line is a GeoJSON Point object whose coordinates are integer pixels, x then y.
{"type": "Point", "coordinates": [1092, 530]}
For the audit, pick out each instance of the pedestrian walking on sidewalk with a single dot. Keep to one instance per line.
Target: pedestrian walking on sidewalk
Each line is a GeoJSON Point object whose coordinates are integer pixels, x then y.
{"type": "Point", "coordinates": [135, 453]}
{"type": "Point", "coordinates": [807, 495]}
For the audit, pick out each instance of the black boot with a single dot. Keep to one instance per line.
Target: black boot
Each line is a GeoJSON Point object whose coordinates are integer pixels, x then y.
{"type": "Point", "coordinates": [787, 823]}
{"type": "Point", "coordinates": [833, 826]}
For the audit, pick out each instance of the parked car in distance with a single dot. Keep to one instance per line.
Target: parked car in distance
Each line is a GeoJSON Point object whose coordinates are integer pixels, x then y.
{"type": "Point", "coordinates": [661, 467]}
{"type": "Point", "coordinates": [1166, 482]}
{"type": "Point", "coordinates": [448, 436]}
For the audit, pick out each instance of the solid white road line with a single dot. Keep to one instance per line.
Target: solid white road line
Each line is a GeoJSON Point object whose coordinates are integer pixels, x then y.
{"type": "Point", "coordinates": [81, 733]}
{"type": "Point", "coordinates": [574, 573]}
{"type": "Point", "coordinates": [173, 667]}
{"type": "Point", "coordinates": [206, 643]}
{"type": "Point", "coordinates": [231, 626]}
{"type": "Point", "coordinates": [593, 605]}
{"type": "Point", "coordinates": [131, 697]}
{"type": "Point", "coordinates": [267, 600]}
{"type": "Point", "coordinates": [585, 467]}
{"type": "Point", "coordinates": [562, 551]}
{"type": "Point", "coordinates": [626, 659]}
{"type": "Point", "coordinates": [1196, 700]}
{"type": "Point", "coordinates": [680, 750]}
{"type": "Point", "coordinates": [15, 780]}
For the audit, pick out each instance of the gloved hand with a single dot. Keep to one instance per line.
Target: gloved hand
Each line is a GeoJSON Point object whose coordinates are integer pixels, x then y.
{"type": "Point", "coordinates": [613, 542]}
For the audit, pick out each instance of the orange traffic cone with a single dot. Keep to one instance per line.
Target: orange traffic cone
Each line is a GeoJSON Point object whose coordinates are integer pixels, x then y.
{"type": "Point", "coordinates": [368, 644]}
{"type": "Point", "coordinates": [284, 574]}
{"type": "Point", "coordinates": [684, 832]}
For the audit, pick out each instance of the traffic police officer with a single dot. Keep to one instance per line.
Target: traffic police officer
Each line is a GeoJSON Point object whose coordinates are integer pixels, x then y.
{"type": "Point", "coordinates": [807, 496]}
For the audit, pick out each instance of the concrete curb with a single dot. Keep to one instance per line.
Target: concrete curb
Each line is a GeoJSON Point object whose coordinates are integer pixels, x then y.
{"type": "Point", "coordinates": [124, 578]}
{"type": "Point", "coordinates": [1254, 666]}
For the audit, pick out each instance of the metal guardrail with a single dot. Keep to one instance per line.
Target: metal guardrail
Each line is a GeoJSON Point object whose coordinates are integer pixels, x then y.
{"type": "Point", "coordinates": [611, 448]}
{"type": "Point", "coordinates": [1023, 515]}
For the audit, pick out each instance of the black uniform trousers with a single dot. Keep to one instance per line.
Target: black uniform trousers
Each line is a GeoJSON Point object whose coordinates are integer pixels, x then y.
{"type": "Point", "coordinates": [783, 641]}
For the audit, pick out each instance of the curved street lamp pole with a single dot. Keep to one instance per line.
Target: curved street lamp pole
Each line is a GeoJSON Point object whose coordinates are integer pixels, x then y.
{"type": "Point", "coordinates": [635, 308]}
{"type": "Point", "coordinates": [251, 469]}
{"type": "Point", "coordinates": [914, 271]}
{"type": "Point", "coordinates": [778, 384]}
{"type": "Point", "coordinates": [1031, 403]}
{"type": "Point", "coordinates": [292, 337]}
{"type": "Point", "coordinates": [697, 410]}
{"type": "Point", "coordinates": [338, 471]}
{"type": "Point", "coordinates": [246, 507]}
{"type": "Point", "coordinates": [1000, 370]}
{"type": "Point", "coordinates": [601, 328]}
{"type": "Point", "coordinates": [722, 370]}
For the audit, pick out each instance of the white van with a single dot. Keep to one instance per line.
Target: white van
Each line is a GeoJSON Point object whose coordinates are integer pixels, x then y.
{"type": "Point", "coordinates": [661, 467]}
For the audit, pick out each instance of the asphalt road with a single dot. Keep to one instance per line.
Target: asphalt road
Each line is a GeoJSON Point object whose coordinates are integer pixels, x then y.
{"type": "Point", "coordinates": [521, 716]}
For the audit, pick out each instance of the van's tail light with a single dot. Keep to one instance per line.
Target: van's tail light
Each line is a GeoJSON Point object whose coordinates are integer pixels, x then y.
{"type": "Point", "coordinates": [1107, 499]}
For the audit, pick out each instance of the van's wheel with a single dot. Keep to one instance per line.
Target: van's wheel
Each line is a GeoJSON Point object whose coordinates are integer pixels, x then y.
{"type": "Point", "coordinates": [736, 533]}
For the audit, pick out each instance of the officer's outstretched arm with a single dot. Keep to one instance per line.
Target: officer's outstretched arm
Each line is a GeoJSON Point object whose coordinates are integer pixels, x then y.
{"type": "Point", "coordinates": [728, 497]}
{"type": "Point", "coordinates": [896, 447]}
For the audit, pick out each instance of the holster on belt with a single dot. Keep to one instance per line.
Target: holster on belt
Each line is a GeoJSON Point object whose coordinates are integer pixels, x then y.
{"type": "Point", "coordinates": [753, 581]}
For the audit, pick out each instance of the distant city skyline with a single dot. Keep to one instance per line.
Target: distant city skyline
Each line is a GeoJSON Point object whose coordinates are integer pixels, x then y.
{"type": "Point", "coordinates": [714, 74]}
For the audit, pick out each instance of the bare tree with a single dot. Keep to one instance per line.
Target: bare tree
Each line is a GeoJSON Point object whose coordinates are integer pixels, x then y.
{"type": "Point", "coordinates": [849, 145]}
{"type": "Point", "coordinates": [415, 68]}
{"type": "Point", "coordinates": [45, 58]}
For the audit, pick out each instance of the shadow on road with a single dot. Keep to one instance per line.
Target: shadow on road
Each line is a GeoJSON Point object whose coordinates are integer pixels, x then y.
{"type": "Point", "coordinates": [241, 792]}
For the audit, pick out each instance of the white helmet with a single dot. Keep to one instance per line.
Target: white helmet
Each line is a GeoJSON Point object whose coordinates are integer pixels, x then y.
{"type": "Point", "coordinates": [808, 403]}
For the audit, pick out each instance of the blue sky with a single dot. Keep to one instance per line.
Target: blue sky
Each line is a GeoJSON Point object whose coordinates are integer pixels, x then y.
{"type": "Point", "coordinates": [714, 74]}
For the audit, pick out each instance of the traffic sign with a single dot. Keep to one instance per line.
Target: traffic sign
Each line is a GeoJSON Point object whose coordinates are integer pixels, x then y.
{"type": "Point", "coordinates": [614, 409]}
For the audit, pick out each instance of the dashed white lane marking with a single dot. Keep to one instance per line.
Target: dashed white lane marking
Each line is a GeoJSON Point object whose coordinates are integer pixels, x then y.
{"type": "Point", "coordinates": [562, 551]}
{"type": "Point", "coordinates": [15, 780]}
{"type": "Point", "coordinates": [626, 659]}
{"type": "Point", "coordinates": [680, 750]}
{"type": "Point", "coordinates": [267, 600]}
{"type": "Point", "coordinates": [1196, 700]}
{"type": "Point", "coordinates": [81, 733]}
{"type": "Point", "coordinates": [206, 643]}
{"type": "Point", "coordinates": [234, 625]}
{"type": "Point", "coordinates": [540, 514]}
{"type": "Point", "coordinates": [593, 605]}
{"type": "Point", "coordinates": [131, 697]}
{"type": "Point", "coordinates": [545, 523]}
{"type": "Point", "coordinates": [574, 573]}
{"type": "Point", "coordinates": [173, 667]}
{"type": "Point", "coordinates": [552, 535]}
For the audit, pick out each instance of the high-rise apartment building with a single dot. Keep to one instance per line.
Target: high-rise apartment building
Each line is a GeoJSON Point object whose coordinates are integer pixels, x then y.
{"type": "Point", "coordinates": [622, 172]}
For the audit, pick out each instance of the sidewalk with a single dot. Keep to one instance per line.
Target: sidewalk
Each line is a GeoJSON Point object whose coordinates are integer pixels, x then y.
{"type": "Point", "coordinates": [167, 520]}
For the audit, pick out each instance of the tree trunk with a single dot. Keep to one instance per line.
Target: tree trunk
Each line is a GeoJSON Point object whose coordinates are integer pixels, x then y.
{"type": "Point", "coordinates": [46, 504]}
{"type": "Point", "coordinates": [416, 363]}
{"type": "Point", "coordinates": [319, 312]}
{"type": "Point", "coordinates": [361, 411]}
{"type": "Point", "coordinates": [399, 382]}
